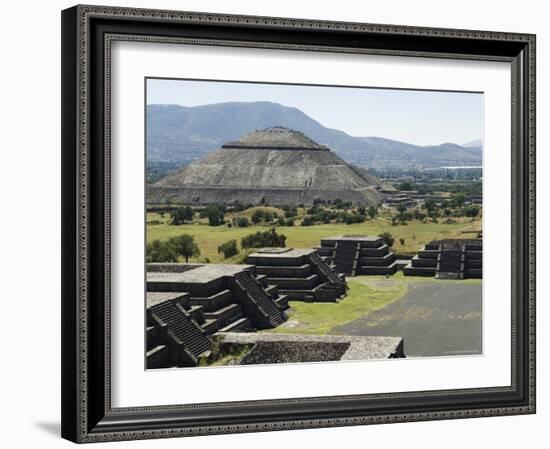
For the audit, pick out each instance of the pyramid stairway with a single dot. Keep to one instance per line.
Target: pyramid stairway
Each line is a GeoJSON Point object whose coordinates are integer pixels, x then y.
{"type": "Point", "coordinates": [183, 329]}
{"type": "Point", "coordinates": [261, 298]}
{"type": "Point", "coordinates": [346, 255]}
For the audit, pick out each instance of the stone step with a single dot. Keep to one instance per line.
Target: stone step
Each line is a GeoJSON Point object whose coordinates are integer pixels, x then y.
{"type": "Point", "coordinates": [378, 269]}
{"type": "Point", "coordinates": [224, 313]}
{"type": "Point", "coordinates": [409, 270]}
{"type": "Point", "coordinates": [214, 302]}
{"type": "Point", "coordinates": [240, 324]}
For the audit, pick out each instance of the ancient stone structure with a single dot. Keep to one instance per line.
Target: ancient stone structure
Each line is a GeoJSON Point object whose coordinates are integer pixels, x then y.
{"type": "Point", "coordinates": [358, 254]}
{"type": "Point", "coordinates": [299, 274]}
{"type": "Point", "coordinates": [185, 306]}
{"type": "Point", "coordinates": [275, 166]}
{"type": "Point", "coordinates": [448, 259]}
{"type": "Point", "coordinates": [284, 348]}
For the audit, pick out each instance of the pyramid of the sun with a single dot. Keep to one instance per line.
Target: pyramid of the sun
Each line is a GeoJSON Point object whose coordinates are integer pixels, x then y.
{"type": "Point", "coordinates": [274, 166]}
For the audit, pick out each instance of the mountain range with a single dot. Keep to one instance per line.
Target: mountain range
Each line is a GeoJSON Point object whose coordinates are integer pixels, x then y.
{"type": "Point", "coordinates": [179, 135]}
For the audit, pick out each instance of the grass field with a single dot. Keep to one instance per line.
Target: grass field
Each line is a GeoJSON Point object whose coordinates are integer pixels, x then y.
{"type": "Point", "coordinates": [208, 238]}
{"type": "Point", "coordinates": [366, 294]}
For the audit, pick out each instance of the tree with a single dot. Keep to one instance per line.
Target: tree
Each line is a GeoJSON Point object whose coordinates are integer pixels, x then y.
{"type": "Point", "coordinates": [372, 211]}
{"type": "Point", "coordinates": [402, 241]}
{"type": "Point", "coordinates": [228, 249]}
{"type": "Point", "coordinates": [290, 212]}
{"type": "Point", "coordinates": [215, 214]}
{"type": "Point", "coordinates": [471, 211]}
{"type": "Point", "coordinates": [458, 200]}
{"type": "Point", "coordinates": [258, 216]}
{"type": "Point", "coordinates": [184, 245]}
{"type": "Point", "coordinates": [418, 215]}
{"type": "Point", "coordinates": [264, 239]}
{"type": "Point", "coordinates": [307, 221]}
{"type": "Point", "coordinates": [181, 215]}
{"type": "Point", "coordinates": [242, 222]}
{"type": "Point", "coordinates": [158, 251]}
{"type": "Point", "coordinates": [401, 208]}
{"type": "Point", "coordinates": [429, 205]}
{"type": "Point", "coordinates": [388, 238]}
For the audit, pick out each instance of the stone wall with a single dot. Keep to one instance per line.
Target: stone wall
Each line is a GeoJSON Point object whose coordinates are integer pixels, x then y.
{"type": "Point", "coordinates": [277, 197]}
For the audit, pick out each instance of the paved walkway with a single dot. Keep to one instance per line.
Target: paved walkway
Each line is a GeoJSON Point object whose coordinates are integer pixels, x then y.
{"type": "Point", "coordinates": [435, 319]}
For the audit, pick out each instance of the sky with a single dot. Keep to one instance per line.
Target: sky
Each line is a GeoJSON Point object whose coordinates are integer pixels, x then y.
{"type": "Point", "coordinates": [413, 116]}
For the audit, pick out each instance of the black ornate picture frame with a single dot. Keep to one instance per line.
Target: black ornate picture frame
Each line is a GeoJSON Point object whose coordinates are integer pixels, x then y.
{"type": "Point", "coordinates": [87, 34]}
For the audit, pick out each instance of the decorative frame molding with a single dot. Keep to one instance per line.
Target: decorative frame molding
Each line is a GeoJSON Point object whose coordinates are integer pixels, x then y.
{"type": "Point", "coordinates": [87, 34]}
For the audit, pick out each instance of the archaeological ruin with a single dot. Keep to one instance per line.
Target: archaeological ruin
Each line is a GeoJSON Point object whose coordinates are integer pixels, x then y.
{"type": "Point", "coordinates": [285, 348]}
{"type": "Point", "coordinates": [275, 166]}
{"type": "Point", "coordinates": [299, 274]}
{"type": "Point", "coordinates": [358, 254]}
{"type": "Point", "coordinates": [194, 310]}
{"type": "Point", "coordinates": [187, 304]}
{"type": "Point", "coordinates": [448, 259]}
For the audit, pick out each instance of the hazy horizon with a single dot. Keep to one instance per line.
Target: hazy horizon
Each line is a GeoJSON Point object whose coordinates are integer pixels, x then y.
{"type": "Point", "coordinates": [413, 116]}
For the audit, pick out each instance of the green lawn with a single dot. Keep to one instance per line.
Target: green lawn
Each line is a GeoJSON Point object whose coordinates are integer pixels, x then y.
{"type": "Point", "coordinates": [366, 294]}
{"type": "Point", "coordinates": [416, 234]}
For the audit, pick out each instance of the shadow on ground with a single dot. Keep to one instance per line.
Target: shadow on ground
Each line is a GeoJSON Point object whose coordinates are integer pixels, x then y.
{"type": "Point", "coordinates": [53, 428]}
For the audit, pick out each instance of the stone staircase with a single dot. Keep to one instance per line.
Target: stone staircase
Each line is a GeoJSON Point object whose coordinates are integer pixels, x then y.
{"type": "Point", "coordinates": [346, 254]}
{"type": "Point", "coordinates": [184, 330]}
{"type": "Point", "coordinates": [332, 277]}
{"type": "Point", "coordinates": [334, 282]}
{"type": "Point", "coordinates": [270, 309]}
{"type": "Point", "coordinates": [450, 264]}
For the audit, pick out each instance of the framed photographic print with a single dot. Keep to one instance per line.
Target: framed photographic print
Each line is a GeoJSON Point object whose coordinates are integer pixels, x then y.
{"type": "Point", "coordinates": [284, 223]}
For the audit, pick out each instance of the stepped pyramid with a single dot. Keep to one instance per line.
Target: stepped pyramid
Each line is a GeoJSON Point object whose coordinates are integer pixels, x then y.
{"type": "Point", "coordinates": [273, 166]}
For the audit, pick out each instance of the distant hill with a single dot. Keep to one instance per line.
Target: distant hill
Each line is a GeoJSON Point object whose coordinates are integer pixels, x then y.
{"type": "Point", "coordinates": [178, 134]}
{"type": "Point", "coordinates": [473, 143]}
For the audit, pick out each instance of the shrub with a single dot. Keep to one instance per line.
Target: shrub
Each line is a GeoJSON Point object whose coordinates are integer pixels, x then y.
{"type": "Point", "coordinates": [429, 205]}
{"type": "Point", "coordinates": [181, 214]}
{"type": "Point", "coordinates": [372, 211]}
{"type": "Point", "coordinates": [307, 221]}
{"type": "Point", "coordinates": [402, 241]}
{"type": "Point", "coordinates": [458, 200]}
{"type": "Point", "coordinates": [471, 211]}
{"type": "Point", "coordinates": [158, 251]}
{"type": "Point", "coordinates": [264, 239]}
{"type": "Point", "coordinates": [262, 215]}
{"type": "Point", "coordinates": [215, 214]}
{"type": "Point", "coordinates": [405, 186]}
{"type": "Point", "coordinates": [228, 249]}
{"type": "Point", "coordinates": [257, 216]}
{"type": "Point", "coordinates": [169, 251]}
{"type": "Point", "coordinates": [388, 238]}
{"type": "Point", "coordinates": [291, 212]}
{"type": "Point", "coordinates": [242, 222]}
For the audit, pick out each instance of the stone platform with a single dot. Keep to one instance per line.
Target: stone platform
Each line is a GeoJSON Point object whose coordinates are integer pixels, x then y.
{"type": "Point", "coordinates": [186, 304]}
{"type": "Point", "coordinates": [448, 259]}
{"type": "Point", "coordinates": [358, 254]}
{"type": "Point", "coordinates": [287, 348]}
{"type": "Point", "coordinates": [299, 274]}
